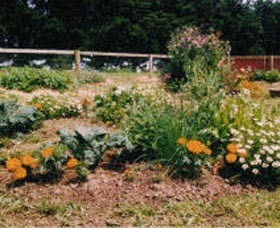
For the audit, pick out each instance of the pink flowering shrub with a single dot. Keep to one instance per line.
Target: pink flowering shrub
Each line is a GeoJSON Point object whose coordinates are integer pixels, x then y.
{"type": "Point", "coordinates": [190, 49]}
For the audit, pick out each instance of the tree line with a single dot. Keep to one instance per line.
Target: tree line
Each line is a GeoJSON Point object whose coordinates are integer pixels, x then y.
{"type": "Point", "coordinates": [143, 26]}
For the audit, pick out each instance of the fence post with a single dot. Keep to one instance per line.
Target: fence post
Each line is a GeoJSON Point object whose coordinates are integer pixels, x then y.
{"type": "Point", "coordinates": [77, 60]}
{"type": "Point", "coordinates": [151, 64]}
{"type": "Point", "coordinates": [271, 62]}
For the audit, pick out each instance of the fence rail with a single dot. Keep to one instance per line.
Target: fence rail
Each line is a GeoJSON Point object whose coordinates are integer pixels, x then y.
{"type": "Point", "coordinates": [255, 62]}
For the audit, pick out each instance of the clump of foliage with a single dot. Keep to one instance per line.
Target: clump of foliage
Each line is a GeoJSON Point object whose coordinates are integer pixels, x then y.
{"type": "Point", "coordinates": [17, 118]}
{"type": "Point", "coordinates": [88, 77]}
{"type": "Point", "coordinates": [89, 144]}
{"type": "Point", "coordinates": [116, 104]}
{"type": "Point", "coordinates": [269, 76]}
{"type": "Point", "coordinates": [188, 48]}
{"type": "Point", "coordinates": [28, 79]}
{"type": "Point", "coordinates": [250, 140]}
{"type": "Point", "coordinates": [154, 130]}
{"type": "Point", "coordinates": [58, 106]}
{"type": "Point", "coordinates": [81, 150]}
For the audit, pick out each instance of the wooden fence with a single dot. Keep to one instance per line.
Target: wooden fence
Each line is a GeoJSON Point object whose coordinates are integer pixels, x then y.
{"type": "Point", "coordinates": [237, 62]}
{"type": "Point", "coordinates": [77, 54]}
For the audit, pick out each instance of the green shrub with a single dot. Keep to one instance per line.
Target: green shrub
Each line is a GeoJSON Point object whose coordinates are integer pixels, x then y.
{"type": "Point", "coordinates": [16, 118]}
{"type": "Point", "coordinates": [269, 76]}
{"type": "Point", "coordinates": [28, 79]}
{"type": "Point", "coordinates": [258, 75]}
{"type": "Point", "coordinates": [116, 104]}
{"type": "Point", "coordinates": [57, 107]}
{"type": "Point", "coordinates": [189, 48]}
{"type": "Point", "coordinates": [272, 76]}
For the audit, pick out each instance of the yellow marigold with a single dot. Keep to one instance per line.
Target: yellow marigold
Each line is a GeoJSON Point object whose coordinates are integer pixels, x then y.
{"type": "Point", "coordinates": [27, 160]}
{"type": "Point", "coordinates": [87, 101]}
{"type": "Point", "coordinates": [231, 158]}
{"type": "Point", "coordinates": [12, 164]}
{"type": "Point", "coordinates": [38, 106]}
{"type": "Point", "coordinates": [207, 151]}
{"type": "Point", "coordinates": [195, 146]}
{"type": "Point", "coordinates": [232, 148]}
{"type": "Point", "coordinates": [47, 152]}
{"type": "Point", "coordinates": [34, 164]}
{"type": "Point", "coordinates": [20, 173]}
{"type": "Point", "coordinates": [182, 141]}
{"type": "Point", "coordinates": [72, 162]}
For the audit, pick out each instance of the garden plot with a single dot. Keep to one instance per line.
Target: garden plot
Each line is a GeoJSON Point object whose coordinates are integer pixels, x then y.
{"type": "Point", "coordinates": [111, 194]}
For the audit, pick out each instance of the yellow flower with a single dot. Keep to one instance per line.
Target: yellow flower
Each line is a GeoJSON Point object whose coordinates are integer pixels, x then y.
{"type": "Point", "coordinates": [87, 101]}
{"type": "Point", "coordinates": [182, 141]}
{"type": "Point", "coordinates": [12, 164]}
{"type": "Point", "coordinates": [47, 152]}
{"type": "Point", "coordinates": [207, 151]}
{"type": "Point", "coordinates": [38, 106]}
{"type": "Point", "coordinates": [72, 162]}
{"type": "Point", "coordinates": [159, 166]}
{"type": "Point", "coordinates": [231, 158]}
{"type": "Point", "coordinates": [195, 146]}
{"type": "Point", "coordinates": [20, 173]}
{"type": "Point", "coordinates": [232, 148]}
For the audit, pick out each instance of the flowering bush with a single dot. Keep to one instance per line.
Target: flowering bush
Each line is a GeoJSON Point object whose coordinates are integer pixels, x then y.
{"type": "Point", "coordinates": [115, 105]}
{"type": "Point", "coordinates": [190, 48]}
{"type": "Point", "coordinates": [251, 137]}
{"type": "Point", "coordinates": [57, 107]}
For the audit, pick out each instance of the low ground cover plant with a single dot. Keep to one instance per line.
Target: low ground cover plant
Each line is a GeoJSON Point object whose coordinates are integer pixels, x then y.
{"type": "Point", "coordinates": [269, 76]}
{"type": "Point", "coordinates": [28, 79]}
{"type": "Point", "coordinates": [81, 150]}
{"type": "Point", "coordinates": [15, 118]}
{"type": "Point", "coordinates": [116, 104]}
{"type": "Point", "coordinates": [58, 106]}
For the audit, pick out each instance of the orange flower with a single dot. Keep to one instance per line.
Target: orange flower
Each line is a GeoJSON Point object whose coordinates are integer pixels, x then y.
{"type": "Point", "coordinates": [127, 172]}
{"type": "Point", "coordinates": [182, 141]}
{"type": "Point", "coordinates": [34, 164]}
{"type": "Point", "coordinates": [231, 158]}
{"type": "Point", "coordinates": [20, 173]}
{"type": "Point", "coordinates": [72, 162]}
{"type": "Point", "coordinates": [27, 160]}
{"type": "Point", "coordinates": [38, 106]}
{"type": "Point", "coordinates": [232, 148]}
{"type": "Point", "coordinates": [207, 151]}
{"type": "Point", "coordinates": [195, 146]}
{"type": "Point", "coordinates": [12, 164]}
{"type": "Point", "coordinates": [87, 101]}
{"type": "Point", "coordinates": [47, 152]}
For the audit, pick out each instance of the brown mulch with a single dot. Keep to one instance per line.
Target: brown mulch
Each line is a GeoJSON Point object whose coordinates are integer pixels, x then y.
{"type": "Point", "coordinates": [107, 188]}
